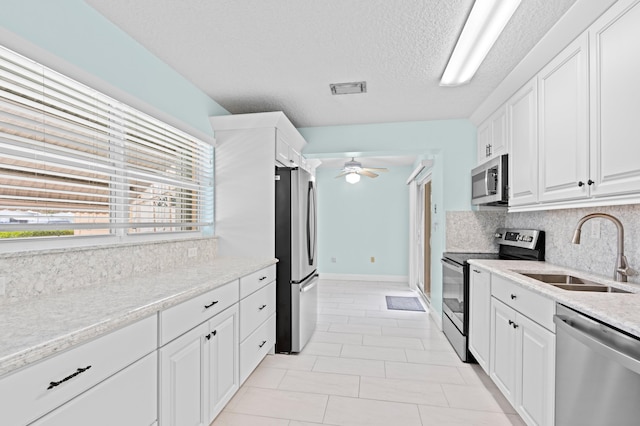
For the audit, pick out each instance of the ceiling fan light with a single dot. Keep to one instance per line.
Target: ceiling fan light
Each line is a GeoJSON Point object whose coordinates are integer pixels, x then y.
{"type": "Point", "coordinates": [483, 27]}
{"type": "Point", "coordinates": [352, 178]}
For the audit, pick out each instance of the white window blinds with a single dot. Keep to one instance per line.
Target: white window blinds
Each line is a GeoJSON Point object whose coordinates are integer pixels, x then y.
{"type": "Point", "coordinates": [75, 161]}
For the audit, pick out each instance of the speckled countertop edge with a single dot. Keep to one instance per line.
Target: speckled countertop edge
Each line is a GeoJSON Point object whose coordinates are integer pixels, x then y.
{"type": "Point", "coordinates": [34, 329]}
{"type": "Point", "coordinates": [621, 310]}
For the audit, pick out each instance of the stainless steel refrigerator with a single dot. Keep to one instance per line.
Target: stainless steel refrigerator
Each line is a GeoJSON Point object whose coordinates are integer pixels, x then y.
{"type": "Point", "coordinates": [296, 274]}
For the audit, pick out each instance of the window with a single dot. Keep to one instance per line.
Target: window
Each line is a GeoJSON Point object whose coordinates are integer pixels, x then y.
{"type": "Point", "coordinates": [76, 162]}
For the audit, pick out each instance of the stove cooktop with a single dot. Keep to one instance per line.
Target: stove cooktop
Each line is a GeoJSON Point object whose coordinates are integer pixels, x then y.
{"type": "Point", "coordinates": [462, 258]}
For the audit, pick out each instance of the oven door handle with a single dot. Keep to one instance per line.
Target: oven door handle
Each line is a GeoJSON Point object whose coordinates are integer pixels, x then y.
{"type": "Point", "coordinates": [452, 265]}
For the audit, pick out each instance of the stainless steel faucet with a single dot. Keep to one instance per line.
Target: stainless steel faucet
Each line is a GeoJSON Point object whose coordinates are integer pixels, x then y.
{"type": "Point", "coordinates": [622, 269]}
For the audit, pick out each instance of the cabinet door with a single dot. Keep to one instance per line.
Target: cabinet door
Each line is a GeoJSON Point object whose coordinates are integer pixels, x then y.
{"type": "Point", "coordinates": [223, 360]}
{"type": "Point", "coordinates": [484, 139]}
{"type": "Point", "coordinates": [480, 316]}
{"type": "Point", "coordinates": [499, 132]}
{"type": "Point", "coordinates": [615, 100]}
{"type": "Point", "coordinates": [282, 150]}
{"type": "Point", "coordinates": [182, 379]}
{"type": "Point", "coordinates": [127, 398]}
{"type": "Point", "coordinates": [523, 142]}
{"type": "Point", "coordinates": [502, 362]}
{"type": "Point", "coordinates": [563, 126]}
{"type": "Point", "coordinates": [535, 384]}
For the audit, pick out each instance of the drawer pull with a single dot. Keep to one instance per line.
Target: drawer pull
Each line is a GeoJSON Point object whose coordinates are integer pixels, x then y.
{"type": "Point", "coordinates": [262, 344]}
{"type": "Point", "coordinates": [262, 278]}
{"type": "Point", "coordinates": [210, 304]}
{"type": "Point", "coordinates": [262, 307]}
{"type": "Point", "coordinates": [476, 271]}
{"type": "Point", "coordinates": [513, 296]}
{"type": "Point", "coordinates": [78, 371]}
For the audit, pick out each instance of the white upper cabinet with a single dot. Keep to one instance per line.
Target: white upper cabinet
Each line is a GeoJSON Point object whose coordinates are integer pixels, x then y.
{"type": "Point", "coordinates": [563, 125]}
{"type": "Point", "coordinates": [492, 136]}
{"type": "Point", "coordinates": [615, 100]}
{"type": "Point", "coordinates": [522, 112]}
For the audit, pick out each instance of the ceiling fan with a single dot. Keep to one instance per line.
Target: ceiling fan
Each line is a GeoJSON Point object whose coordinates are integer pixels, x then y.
{"type": "Point", "coordinates": [353, 169]}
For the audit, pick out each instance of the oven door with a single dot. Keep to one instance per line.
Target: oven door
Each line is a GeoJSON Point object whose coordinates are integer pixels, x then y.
{"type": "Point", "coordinates": [453, 293]}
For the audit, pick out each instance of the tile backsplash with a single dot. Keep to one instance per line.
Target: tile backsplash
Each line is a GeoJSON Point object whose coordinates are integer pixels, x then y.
{"type": "Point", "coordinates": [29, 274]}
{"type": "Point", "coordinates": [596, 255]}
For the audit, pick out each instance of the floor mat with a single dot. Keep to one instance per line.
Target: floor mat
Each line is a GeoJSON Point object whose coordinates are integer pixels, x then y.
{"type": "Point", "coordinates": [404, 303]}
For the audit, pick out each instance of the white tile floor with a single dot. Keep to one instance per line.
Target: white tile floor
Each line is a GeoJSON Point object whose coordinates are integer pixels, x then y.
{"type": "Point", "coordinates": [367, 365]}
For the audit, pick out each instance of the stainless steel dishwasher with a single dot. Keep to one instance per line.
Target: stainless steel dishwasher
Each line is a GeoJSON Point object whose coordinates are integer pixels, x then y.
{"type": "Point", "coordinates": [597, 372]}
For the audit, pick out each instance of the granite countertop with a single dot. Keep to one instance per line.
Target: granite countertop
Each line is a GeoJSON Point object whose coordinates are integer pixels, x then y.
{"type": "Point", "coordinates": [36, 328]}
{"type": "Point", "coordinates": [621, 310]}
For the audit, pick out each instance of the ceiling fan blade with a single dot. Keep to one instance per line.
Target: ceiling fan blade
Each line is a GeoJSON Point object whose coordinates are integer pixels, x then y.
{"type": "Point", "coordinates": [381, 169]}
{"type": "Point", "coordinates": [342, 174]}
{"type": "Point", "coordinates": [367, 173]}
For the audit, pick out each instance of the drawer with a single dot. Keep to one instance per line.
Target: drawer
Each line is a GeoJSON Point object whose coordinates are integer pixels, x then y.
{"type": "Point", "coordinates": [257, 280]}
{"type": "Point", "coordinates": [39, 388]}
{"type": "Point", "coordinates": [533, 305]}
{"type": "Point", "coordinates": [256, 308]}
{"type": "Point", "coordinates": [256, 346]}
{"type": "Point", "coordinates": [183, 317]}
{"type": "Point", "coordinates": [127, 398]}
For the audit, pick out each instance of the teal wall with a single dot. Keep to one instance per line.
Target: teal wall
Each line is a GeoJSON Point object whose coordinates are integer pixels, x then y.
{"type": "Point", "coordinates": [452, 146]}
{"type": "Point", "coordinates": [358, 221]}
{"type": "Point", "coordinates": [77, 34]}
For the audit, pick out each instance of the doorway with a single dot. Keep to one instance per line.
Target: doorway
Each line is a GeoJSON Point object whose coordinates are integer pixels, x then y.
{"type": "Point", "coordinates": [426, 240]}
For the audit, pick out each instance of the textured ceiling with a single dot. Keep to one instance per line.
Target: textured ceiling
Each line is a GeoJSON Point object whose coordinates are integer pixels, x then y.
{"type": "Point", "coordinates": [281, 55]}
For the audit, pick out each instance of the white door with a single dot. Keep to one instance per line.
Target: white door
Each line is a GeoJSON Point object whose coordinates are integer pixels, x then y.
{"type": "Point", "coordinates": [182, 379]}
{"type": "Point", "coordinates": [615, 100]}
{"type": "Point", "coordinates": [502, 362]}
{"type": "Point", "coordinates": [480, 316]}
{"type": "Point", "coordinates": [535, 380]}
{"type": "Point", "coordinates": [563, 126]}
{"type": "Point", "coordinates": [222, 351]}
{"type": "Point", "coordinates": [523, 143]}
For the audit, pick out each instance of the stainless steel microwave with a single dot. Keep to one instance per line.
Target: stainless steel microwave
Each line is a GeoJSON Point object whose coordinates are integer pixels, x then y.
{"type": "Point", "coordinates": [490, 182]}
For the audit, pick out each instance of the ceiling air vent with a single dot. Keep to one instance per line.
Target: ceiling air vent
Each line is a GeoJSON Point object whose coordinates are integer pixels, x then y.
{"type": "Point", "coordinates": [348, 88]}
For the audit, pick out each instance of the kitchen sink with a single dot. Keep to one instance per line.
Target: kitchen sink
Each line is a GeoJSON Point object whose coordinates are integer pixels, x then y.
{"type": "Point", "coordinates": [571, 283]}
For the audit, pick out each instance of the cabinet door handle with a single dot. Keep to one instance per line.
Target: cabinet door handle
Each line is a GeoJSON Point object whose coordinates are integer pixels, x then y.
{"type": "Point", "coordinates": [262, 307]}
{"type": "Point", "coordinates": [581, 184]}
{"type": "Point", "coordinates": [210, 304]}
{"type": "Point", "coordinates": [590, 182]}
{"type": "Point", "coordinates": [208, 336]}
{"type": "Point", "coordinates": [476, 271]}
{"type": "Point", "coordinates": [513, 297]}
{"type": "Point", "coordinates": [511, 323]}
{"type": "Point", "coordinates": [262, 278]}
{"type": "Point", "coordinates": [262, 344]}
{"type": "Point", "coordinates": [69, 377]}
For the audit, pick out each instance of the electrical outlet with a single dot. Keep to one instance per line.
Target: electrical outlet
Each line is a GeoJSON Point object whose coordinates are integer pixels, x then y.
{"type": "Point", "coordinates": [373, 259]}
{"type": "Point", "coordinates": [334, 260]}
{"type": "Point", "coordinates": [595, 229]}
{"type": "Point", "coordinates": [192, 252]}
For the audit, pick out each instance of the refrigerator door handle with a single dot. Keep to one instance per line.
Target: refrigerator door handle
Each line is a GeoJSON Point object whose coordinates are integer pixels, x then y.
{"type": "Point", "coordinates": [311, 223]}
{"type": "Point", "coordinates": [308, 286]}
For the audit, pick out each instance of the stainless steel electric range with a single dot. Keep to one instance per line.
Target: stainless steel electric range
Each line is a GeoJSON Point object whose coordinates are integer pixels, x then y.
{"type": "Point", "coordinates": [514, 244]}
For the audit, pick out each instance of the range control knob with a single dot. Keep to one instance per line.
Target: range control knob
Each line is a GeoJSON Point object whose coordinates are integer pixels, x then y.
{"type": "Point", "coordinates": [498, 235]}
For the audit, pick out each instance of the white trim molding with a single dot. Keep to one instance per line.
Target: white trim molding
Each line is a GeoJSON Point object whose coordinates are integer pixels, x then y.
{"type": "Point", "coordinates": [364, 277]}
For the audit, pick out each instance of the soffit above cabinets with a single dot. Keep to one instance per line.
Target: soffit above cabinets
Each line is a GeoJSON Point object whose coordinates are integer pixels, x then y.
{"type": "Point", "coordinates": [281, 55]}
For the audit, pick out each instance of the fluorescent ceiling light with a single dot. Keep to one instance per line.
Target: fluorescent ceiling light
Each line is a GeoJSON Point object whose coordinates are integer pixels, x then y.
{"type": "Point", "coordinates": [484, 24]}
{"type": "Point", "coordinates": [352, 178]}
{"type": "Point", "coordinates": [348, 88]}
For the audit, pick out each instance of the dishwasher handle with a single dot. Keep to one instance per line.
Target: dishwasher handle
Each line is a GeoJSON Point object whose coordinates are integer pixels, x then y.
{"type": "Point", "coordinates": [602, 339]}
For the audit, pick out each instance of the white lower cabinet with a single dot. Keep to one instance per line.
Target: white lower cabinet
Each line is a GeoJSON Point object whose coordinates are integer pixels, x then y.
{"type": "Point", "coordinates": [480, 316]}
{"type": "Point", "coordinates": [522, 362]}
{"type": "Point", "coordinates": [126, 398]}
{"type": "Point", "coordinates": [199, 371]}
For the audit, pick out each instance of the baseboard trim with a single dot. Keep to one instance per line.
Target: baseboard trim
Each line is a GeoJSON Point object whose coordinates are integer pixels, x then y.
{"type": "Point", "coordinates": [364, 277]}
